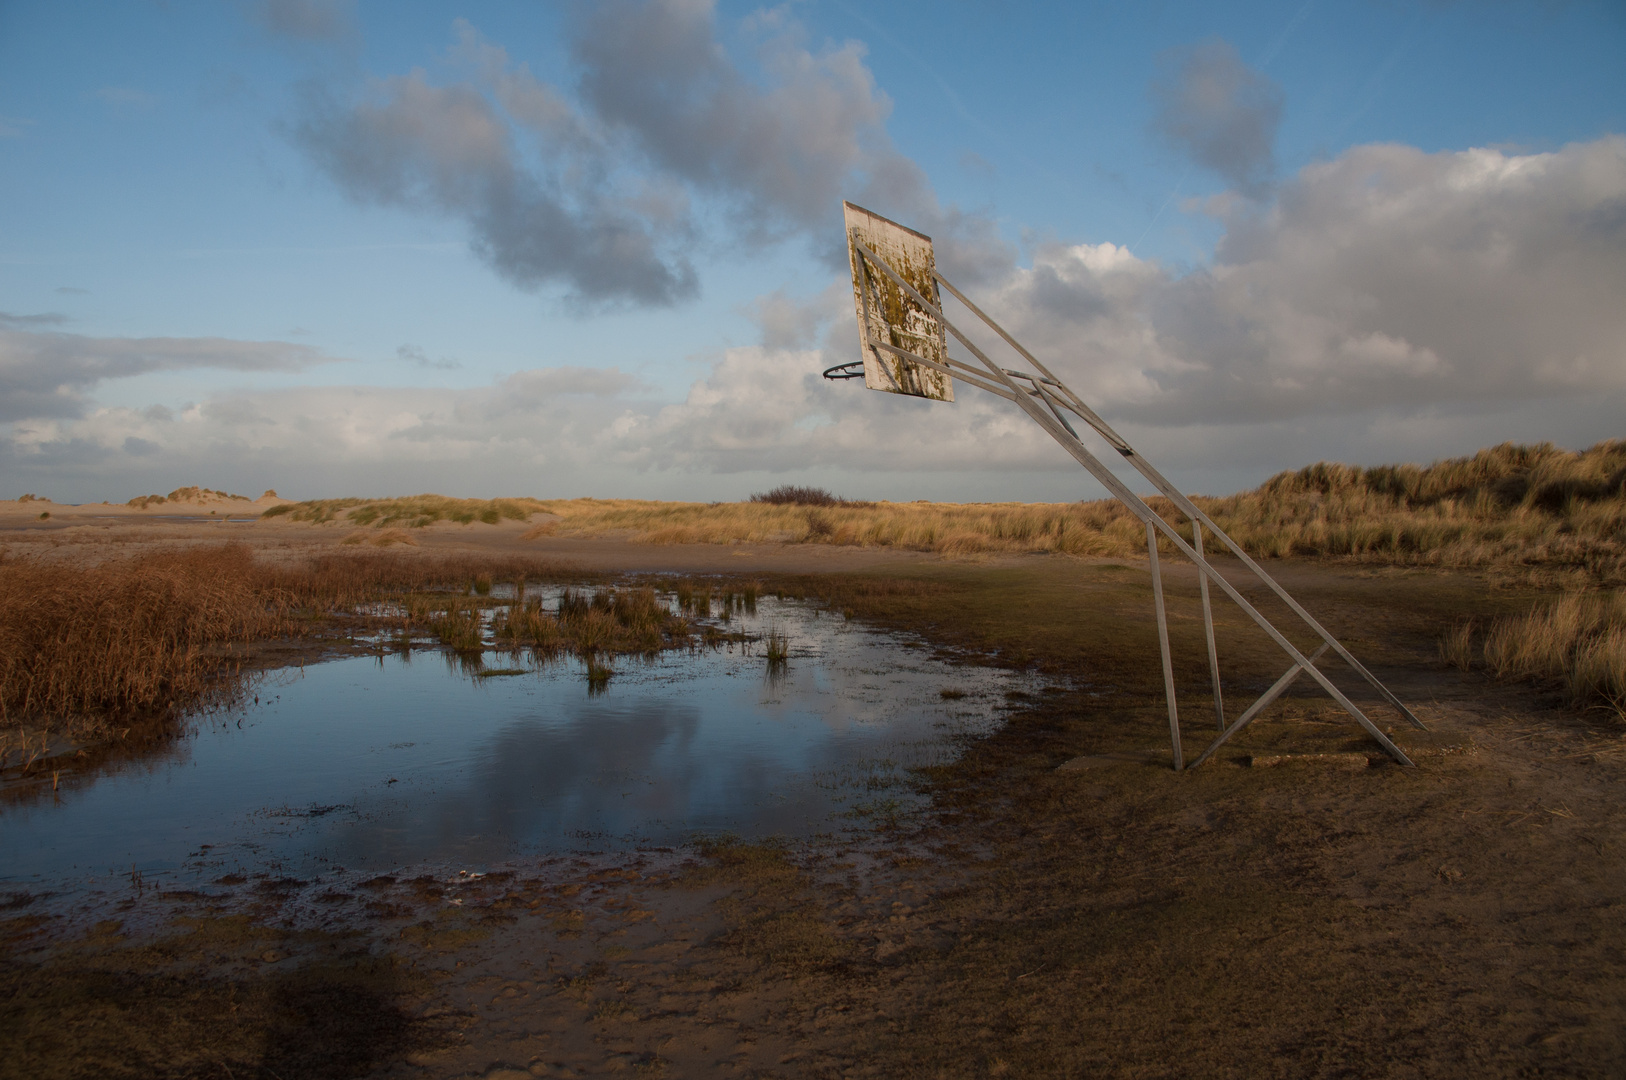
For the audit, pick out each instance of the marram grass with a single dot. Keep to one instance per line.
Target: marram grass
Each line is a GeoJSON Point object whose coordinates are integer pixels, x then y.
{"type": "Point", "coordinates": [1524, 505]}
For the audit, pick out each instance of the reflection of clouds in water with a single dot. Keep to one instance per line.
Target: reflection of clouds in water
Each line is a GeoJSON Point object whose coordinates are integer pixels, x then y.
{"type": "Point", "coordinates": [652, 770]}
{"type": "Point", "coordinates": [440, 767]}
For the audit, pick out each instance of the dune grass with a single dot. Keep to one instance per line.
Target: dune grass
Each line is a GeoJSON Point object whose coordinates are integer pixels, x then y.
{"type": "Point", "coordinates": [415, 511]}
{"type": "Point", "coordinates": [1579, 640]}
{"type": "Point", "coordinates": [1507, 505]}
{"type": "Point", "coordinates": [1531, 505]}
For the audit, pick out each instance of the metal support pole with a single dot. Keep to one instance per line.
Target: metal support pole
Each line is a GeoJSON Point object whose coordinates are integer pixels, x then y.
{"type": "Point", "coordinates": [1138, 507]}
{"type": "Point", "coordinates": [1144, 467]}
{"type": "Point", "coordinates": [1163, 647]}
{"type": "Point", "coordinates": [1208, 627]}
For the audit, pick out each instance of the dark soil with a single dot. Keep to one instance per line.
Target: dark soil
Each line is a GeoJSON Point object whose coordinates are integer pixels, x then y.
{"type": "Point", "coordinates": [1328, 916]}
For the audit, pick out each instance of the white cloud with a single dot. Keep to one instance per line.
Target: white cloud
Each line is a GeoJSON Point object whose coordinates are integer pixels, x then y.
{"type": "Point", "coordinates": [1389, 305]}
{"type": "Point", "coordinates": [1385, 278]}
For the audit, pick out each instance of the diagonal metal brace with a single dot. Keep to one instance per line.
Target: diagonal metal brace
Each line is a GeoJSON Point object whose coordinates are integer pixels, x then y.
{"type": "Point", "coordinates": [1069, 440]}
{"type": "Point", "coordinates": [1259, 706]}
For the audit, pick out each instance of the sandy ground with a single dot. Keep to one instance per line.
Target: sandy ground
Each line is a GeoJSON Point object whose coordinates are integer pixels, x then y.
{"type": "Point", "coordinates": [1072, 907]}
{"type": "Point", "coordinates": [94, 530]}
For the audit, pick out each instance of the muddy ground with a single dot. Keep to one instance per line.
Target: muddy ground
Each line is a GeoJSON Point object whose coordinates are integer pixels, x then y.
{"type": "Point", "coordinates": [1070, 907]}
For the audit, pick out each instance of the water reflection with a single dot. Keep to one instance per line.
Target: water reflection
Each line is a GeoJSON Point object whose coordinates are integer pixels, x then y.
{"type": "Point", "coordinates": [396, 760]}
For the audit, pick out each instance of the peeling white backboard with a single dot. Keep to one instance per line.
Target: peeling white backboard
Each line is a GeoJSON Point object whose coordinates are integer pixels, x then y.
{"type": "Point", "coordinates": [888, 314]}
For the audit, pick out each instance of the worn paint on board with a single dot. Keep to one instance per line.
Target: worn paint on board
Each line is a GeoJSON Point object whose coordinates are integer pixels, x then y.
{"type": "Point", "coordinates": [888, 314]}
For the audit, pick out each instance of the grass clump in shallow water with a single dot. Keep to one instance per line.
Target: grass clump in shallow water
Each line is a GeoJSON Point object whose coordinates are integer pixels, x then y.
{"type": "Point", "coordinates": [459, 628]}
{"type": "Point", "coordinates": [91, 646]}
{"type": "Point", "coordinates": [607, 621]}
{"type": "Point", "coordinates": [776, 646]}
{"type": "Point", "coordinates": [598, 672]}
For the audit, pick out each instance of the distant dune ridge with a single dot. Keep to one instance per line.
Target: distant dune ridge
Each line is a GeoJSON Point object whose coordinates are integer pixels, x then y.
{"type": "Point", "coordinates": [1531, 505]}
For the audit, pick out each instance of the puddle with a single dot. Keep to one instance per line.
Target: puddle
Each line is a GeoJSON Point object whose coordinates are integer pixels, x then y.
{"type": "Point", "coordinates": [380, 763]}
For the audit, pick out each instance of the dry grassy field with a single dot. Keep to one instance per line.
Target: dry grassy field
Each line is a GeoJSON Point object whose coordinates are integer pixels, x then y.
{"type": "Point", "coordinates": [1108, 918]}
{"type": "Point", "coordinates": [1519, 505]}
{"type": "Point", "coordinates": [86, 649]}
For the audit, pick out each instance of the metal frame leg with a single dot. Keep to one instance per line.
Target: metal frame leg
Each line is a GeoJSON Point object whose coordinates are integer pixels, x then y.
{"type": "Point", "coordinates": [1163, 647]}
{"type": "Point", "coordinates": [1208, 628]}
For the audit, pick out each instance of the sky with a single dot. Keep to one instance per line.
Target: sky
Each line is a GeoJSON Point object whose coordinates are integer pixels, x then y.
{"type": "Point", "coordinates": [344, 247]}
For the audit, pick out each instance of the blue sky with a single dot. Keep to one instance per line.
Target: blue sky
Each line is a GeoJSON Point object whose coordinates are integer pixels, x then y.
{"type": "Point", "coordinates": [528, 248]}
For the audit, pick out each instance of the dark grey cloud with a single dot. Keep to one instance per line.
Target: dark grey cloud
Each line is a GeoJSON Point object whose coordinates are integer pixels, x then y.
{"type": "Point", "coordinates": [450, 148]}
{"type": "Point", "coordinates": [48, 375]}
{"type": "Point", "coordinates": [781, 151]}
{"type": "Point", "coordinates": [23, 322]}
{"type": "Point", "coordinates": [413, 354]}
{"type": "Point", "coordinates": [1221, 113]}
{"type": "Point", "coordinates": [600, 188]}
{"type": "Point", "coordinates": [305, 20]}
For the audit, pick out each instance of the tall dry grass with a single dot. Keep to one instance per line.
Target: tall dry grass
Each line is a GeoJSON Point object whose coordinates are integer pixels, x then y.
{"type": "Point", "coordinates": [1535, 505]}
{"type": "Point", "coordinates": [1579, 639]}
{"type": "Point", "coordinates": [1523, 505]}
{"type": "Point", "coordinates": [87, 650]}
{"type": "Point", "coordinates": [99, 644]}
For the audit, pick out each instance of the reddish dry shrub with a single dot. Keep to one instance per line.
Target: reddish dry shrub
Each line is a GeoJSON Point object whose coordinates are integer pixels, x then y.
{"type": "Point", "coordinates": [126, 637]}
{"type": "Point", "coordinates": [81, 647]}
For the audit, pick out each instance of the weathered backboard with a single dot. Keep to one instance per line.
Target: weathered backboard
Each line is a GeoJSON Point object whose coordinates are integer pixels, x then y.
{"type": "Point", "coordinates": [888, 314]}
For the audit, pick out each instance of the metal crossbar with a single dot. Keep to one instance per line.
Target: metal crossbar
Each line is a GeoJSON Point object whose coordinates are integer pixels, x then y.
{"type": "Point", "coordinates": [1047, 401]}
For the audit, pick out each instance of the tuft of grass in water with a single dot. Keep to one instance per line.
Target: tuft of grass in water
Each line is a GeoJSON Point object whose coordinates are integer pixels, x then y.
{"type": "Point", "coordinates": [1579, 639]}
{"type": "Point", "coordinates": [618, 620]}
{"type": "Point", "coordinates": [458, 628]}
{"type": "Point", "coordinates": [776, 646]}
{"type": "Point", "coordinates": [598, 672]}
{"type": "Point", "coordinates": [482, 585]}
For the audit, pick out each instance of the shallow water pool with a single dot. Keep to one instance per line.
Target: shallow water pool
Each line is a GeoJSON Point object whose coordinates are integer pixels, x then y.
{"type": "Point", "coordinates": [380, 763]}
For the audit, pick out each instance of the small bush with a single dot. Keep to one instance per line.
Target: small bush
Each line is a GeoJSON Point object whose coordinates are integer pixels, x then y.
{"type": "Point", "coordinates": [793, 495]}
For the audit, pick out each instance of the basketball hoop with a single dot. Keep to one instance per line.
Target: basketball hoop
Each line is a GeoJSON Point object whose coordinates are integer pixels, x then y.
{"type": "Point", "coordinates": [901, 332]}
